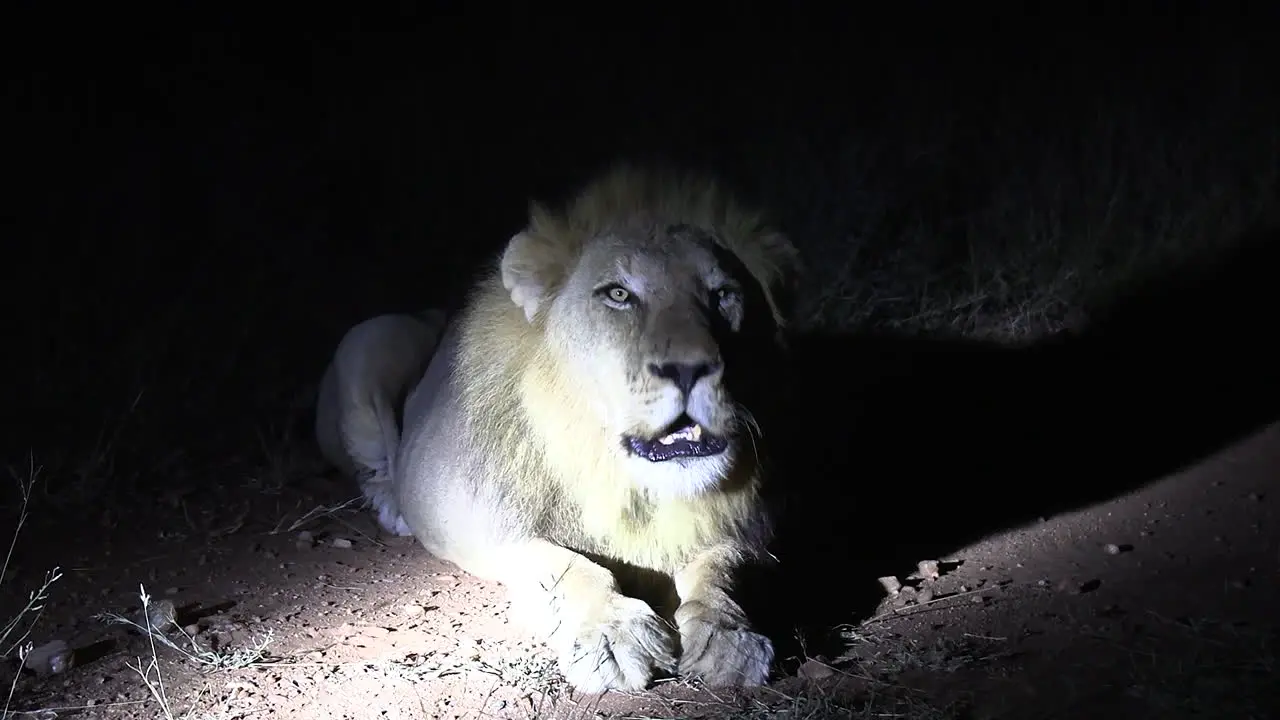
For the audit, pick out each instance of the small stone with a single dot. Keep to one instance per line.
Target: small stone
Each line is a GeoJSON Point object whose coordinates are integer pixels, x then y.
{"type": "Point", "coordinates": [159, 616]}
{"type": "Point", "coordinates": [925, 595]}
{"type": "Point", "coordinates": [343, 543]}
{"type": "Point", "coordinates": [928, 569]}
{"type": "Point", "coordinates": [891, 585]}
{"type": "Point", "coordinates": [412, 610]}
{"type": "Point", "coordinates": [52, 658]}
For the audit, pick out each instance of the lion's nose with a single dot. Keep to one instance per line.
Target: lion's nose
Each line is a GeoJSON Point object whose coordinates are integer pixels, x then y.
{"type": "Point", "coordinates": [684, 375]}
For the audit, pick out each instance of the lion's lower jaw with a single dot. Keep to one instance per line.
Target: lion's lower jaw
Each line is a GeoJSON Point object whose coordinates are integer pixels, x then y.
{"type": "Point", "coordinates": [682, 477]}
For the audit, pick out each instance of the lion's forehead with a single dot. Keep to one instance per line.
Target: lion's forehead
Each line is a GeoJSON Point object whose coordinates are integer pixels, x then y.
{"type": "Point", "coordinates": [653, 265]}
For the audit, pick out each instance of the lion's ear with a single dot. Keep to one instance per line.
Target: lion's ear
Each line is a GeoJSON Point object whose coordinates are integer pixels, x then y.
{"type": "Point", "coordinates": [775, 263]}
{"type": "Point", "coordinates": [784, 269]}
{"type": "Point", "coordinates": [530, 271]}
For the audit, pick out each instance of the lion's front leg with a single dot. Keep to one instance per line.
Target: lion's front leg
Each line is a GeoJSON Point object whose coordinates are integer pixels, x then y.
{"type": "Point", "coordinates": [717, 643]}
{"type": "Point", "coordinates": [604, 640]}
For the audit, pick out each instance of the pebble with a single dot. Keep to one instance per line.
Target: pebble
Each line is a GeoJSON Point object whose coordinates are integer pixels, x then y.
{"type": "Point", "coordinates": [52, 658]}
{"type": "Point", "coordinates": [891, 584]}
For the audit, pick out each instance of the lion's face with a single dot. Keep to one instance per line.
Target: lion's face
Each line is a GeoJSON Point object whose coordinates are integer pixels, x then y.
{"type": "Point", "coordinates": [641, 324]}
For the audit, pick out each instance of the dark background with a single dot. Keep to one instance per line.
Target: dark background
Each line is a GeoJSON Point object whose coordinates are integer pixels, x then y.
{"type": "Point", "coordinates": [194, 217]}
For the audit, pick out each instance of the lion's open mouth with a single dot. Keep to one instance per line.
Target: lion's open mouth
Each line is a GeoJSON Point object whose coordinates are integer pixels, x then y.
{"type": "Point", "coordinates": [684, 438]}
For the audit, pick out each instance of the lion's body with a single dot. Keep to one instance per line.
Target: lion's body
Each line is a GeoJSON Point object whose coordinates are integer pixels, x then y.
{"type": "Point", "coordinates": [530, 482]}
{"type": "Point", "coordinates": [361, 397]}
{"type": "Point", "coordinates": [535, 448]}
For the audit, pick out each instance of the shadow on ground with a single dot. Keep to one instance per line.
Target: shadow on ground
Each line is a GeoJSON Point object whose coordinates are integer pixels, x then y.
{"type": "Point", "coordinates": [895, 450]}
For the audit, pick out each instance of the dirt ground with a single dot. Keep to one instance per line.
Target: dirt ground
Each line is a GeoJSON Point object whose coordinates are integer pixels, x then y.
{"type": "Point", "coordinates": [1160, 603]}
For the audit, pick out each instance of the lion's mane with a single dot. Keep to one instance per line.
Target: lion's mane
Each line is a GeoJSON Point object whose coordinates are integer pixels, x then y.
{"type": "Point", "coordinates": [529, 419]}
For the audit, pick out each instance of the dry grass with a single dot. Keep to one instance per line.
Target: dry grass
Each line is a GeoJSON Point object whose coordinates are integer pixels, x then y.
{"type": "Point", "coordinates": [15, 646]}
{"type": "Point", "coordinates": [1016, 230]}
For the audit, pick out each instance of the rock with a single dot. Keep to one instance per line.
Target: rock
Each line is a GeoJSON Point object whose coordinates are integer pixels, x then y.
{"type": "Point", "coordinates": [52, 658]}
{"type": "Point", "coordinates": [892, 586]}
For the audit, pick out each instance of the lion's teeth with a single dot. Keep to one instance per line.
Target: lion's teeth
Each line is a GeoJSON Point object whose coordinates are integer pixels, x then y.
{"type": "Point", "coordinates": [691, 434]}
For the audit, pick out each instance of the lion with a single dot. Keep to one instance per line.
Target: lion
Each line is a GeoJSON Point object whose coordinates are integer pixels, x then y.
{"type": "Point", "coordinates": [573, 429]}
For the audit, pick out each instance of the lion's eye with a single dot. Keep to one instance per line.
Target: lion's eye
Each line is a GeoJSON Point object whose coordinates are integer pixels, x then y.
{"type": "Point", "coordinates": [616, 295]}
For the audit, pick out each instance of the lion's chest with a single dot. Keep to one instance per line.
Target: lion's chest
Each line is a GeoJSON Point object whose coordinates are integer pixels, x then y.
{"type": "Point", "coordinates": [660, 537]}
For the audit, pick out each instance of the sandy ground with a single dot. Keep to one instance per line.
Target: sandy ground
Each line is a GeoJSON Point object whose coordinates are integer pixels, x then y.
{"type": "Point", "coordinates": [1159, 603]}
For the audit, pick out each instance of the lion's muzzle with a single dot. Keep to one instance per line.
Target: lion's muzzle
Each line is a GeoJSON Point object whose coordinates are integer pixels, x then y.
{"type": "Point", "coordinates": [683, 438]}
{"type": "Point", "coordinates": [696, 375]}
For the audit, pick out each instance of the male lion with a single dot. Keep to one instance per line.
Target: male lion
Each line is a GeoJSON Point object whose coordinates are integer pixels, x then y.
{"type": "Point", "coordinates": [574, 431]}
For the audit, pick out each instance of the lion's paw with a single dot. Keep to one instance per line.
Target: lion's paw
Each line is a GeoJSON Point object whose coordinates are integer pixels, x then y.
{"type": "Point", "coordinates": [376, 486]}
{"type": "Point", "coordinates": [720, 650]}
{"type": "Point", "coordinates": [622, 650]}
